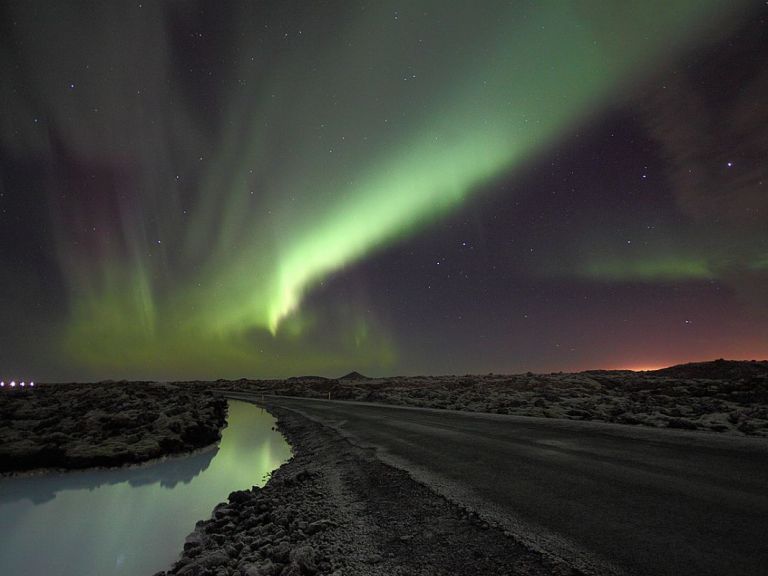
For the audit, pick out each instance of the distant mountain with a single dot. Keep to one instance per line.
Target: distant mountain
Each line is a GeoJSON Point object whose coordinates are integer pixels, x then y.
{"type": "Point", "coordinates": [354, 376]}
{"type": "Point", "coordinates": [307, 379]}
{"type": "Point", "coordinates": [716, 370]}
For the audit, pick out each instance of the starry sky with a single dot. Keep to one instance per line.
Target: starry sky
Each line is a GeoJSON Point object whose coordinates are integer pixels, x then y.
{"type": "Point", "coordinates": [199, 189]}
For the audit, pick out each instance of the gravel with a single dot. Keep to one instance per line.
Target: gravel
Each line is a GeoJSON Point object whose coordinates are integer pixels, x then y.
{"type": "Point", "coordinates": [335, 509]}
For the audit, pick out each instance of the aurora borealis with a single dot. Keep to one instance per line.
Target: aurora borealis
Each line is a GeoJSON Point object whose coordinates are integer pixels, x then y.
{"type": "Point", "coordinates": [204, 190]}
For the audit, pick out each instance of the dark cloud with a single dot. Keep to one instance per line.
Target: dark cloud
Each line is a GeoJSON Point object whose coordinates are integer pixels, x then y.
{"type": "Point", "coordinates": [710, 120]}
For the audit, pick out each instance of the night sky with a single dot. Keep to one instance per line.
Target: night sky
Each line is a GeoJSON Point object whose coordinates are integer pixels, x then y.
{"type": "Point", "coordinates": [266, 189]}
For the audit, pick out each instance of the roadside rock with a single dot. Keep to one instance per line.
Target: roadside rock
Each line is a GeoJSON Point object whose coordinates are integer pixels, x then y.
{"type": "Point", "coordinates": [719, 396]}
{"type": "Point", "coordinates": [303, 557]}
{"type": "Point", "coordinates": [335, 509]}
{"type": "Point", "coordinates": [108, 424]}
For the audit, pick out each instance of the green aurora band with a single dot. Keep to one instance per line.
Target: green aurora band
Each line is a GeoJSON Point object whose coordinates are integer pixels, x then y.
{"type": "Point", "coordinates": [662, 269]}
{"type": "Point", "coordinates": [326, 151]}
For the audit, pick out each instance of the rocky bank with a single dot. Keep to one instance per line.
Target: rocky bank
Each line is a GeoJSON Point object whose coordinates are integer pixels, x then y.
{"type": "Point", "coordinates": [335, 509]}
{"type": "Point", "coordinates": [70, 426]}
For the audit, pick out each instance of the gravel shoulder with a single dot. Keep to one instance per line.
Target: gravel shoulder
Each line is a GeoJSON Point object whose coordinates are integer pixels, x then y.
{"type": "Point", "coordinates": [605, 498]}
{"type": "Point", "coordinates": [334, 508]}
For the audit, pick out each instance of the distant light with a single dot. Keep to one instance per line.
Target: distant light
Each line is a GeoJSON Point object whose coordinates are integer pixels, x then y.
{"type": "Point", "coordinates": [13, 384]}
{"type": "Point", "coordinates": [2, 384]}
{"type": "Point", "coordinates": [22, 384]}
{"type": "Point", "coordinates": [31, 384]}
{"type": "Point", "coordinates": [730, 164]}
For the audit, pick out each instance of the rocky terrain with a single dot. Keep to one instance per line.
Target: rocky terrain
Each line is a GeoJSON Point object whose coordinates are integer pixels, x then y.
{"type": "Point", "coordinates": [115, 423]}
{"type": "Point", "coordinates": [720, 396]}
{"type": "Point", "coordinates": [335, 509]}
{"type": "Point", "coordinates": [107, 424]}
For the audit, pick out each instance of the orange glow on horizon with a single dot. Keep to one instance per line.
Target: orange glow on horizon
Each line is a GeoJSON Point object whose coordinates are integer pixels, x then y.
{"type": "Point", "coordinates": [642, 367]}
{"type": "Point", "coordinates": [645, 368]}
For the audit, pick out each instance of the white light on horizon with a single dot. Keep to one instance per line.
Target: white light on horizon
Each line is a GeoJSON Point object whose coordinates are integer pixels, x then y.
{"type": "Point", "coordinates": [13, 384]}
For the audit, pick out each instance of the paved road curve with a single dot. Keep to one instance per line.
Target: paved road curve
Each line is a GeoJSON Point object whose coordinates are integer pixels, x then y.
{"type": "Point", "coordinates": [607, 498]}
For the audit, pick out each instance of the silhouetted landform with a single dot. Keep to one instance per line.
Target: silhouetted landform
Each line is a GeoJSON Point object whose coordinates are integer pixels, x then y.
{"type": "Point", "coordinates": [72, 426]}
{"type": "Point", "coordinates": [719, 396]}
{"type": "Point", "coordinates": [354, 376]}
{"type": "Point", "coordinates": [717, 370]}
{"type": "Point", "coordinates": [336, 509]}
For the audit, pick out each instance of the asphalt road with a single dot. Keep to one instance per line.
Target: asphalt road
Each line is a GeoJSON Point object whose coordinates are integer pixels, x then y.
{"type": "Point", "coordinates": [606, 498]}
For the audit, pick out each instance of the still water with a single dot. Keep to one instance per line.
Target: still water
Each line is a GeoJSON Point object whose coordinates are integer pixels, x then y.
{"type": "Point", "coordinates": [131, 521]}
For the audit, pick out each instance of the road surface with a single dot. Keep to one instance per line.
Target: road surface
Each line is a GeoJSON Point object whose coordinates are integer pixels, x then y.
{"type": "Point", "coordinates": [606, 498]}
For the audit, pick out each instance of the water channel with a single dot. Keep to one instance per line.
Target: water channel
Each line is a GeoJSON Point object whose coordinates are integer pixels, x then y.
{"type": "Point", "coordinates": [131, 521]}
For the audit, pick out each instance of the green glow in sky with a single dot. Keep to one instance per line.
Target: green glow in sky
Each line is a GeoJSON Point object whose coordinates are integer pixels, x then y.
{"type": "Point", "coordinates": [664, 269]}
{"type": "Point", "coordinates": [526, 84]}
{"type": "Point", "coordinates": [327, 148]}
